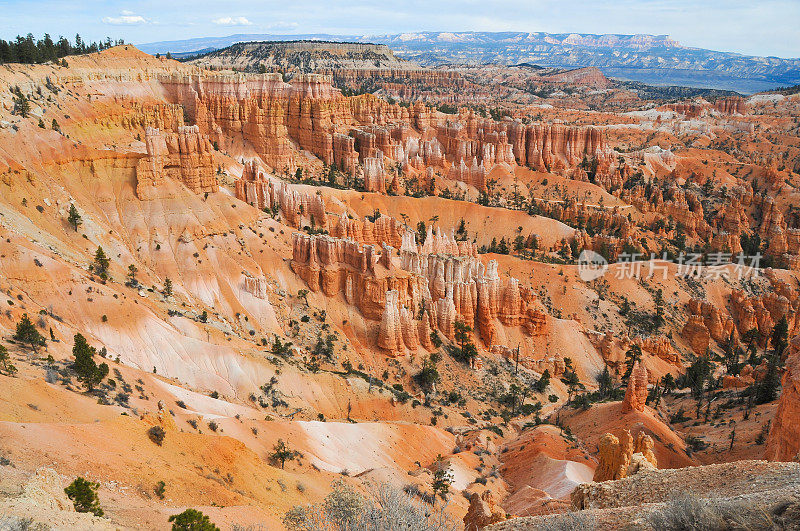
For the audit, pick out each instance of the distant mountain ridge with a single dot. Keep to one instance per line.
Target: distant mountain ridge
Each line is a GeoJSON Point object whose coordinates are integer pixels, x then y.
{"type": "Point", "coordinates": [654, 59]}
{"type": "Point", "coordinates": [304, 56]}
{"type": "Point", "coordinates": [205, 44]}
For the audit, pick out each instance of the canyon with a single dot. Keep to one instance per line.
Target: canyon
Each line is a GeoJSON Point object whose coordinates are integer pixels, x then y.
{"type": "Point", "coordinates": [305, 287]}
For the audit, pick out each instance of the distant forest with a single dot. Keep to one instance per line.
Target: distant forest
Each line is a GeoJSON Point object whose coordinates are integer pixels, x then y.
{"type": "Point", "coordinates": [27, 50]}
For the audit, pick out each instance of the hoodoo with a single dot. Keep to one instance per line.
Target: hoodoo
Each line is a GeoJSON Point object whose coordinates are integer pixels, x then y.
{"type": "Point", "coordinates": [410, 281]}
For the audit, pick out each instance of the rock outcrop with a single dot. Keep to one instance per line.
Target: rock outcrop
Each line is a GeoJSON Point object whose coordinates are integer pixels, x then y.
{"type": "Point", "coordinates": [441, 280]}
{"type": "Point", "coordinates": [613, 456]}
{"type": "Point", "coordinates": [185, 156]}
{"type": "Point", "coordinates": [616, 456]}
{"type": "Point", "coordinates": [268, 193]}
{"type": "Point", "coordinates": [783, 443]}
{"type": "Point", "coordinates": [390, 334]}
{"type": "Point", "coordinates": [482, 512]}
{"type": "Point", "coordinates": [636, 392]}
{"type": "Point", "coordinates": [696, 334]}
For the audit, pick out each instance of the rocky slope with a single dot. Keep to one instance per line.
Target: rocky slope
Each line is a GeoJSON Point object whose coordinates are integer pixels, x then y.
{"type": "Point", "coordinates": [289, 263]}
{"type": "Point", "coordinates": [746, 493]}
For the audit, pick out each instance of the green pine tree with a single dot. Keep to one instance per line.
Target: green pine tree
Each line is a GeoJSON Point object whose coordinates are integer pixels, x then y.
{"type": "Point", "coordinates": [101, 263]}
{"type": "Point", "coordinates": [89, 373]}
{"type": "Point", "coordinates": [74, 218]}
{"type": "Point", "coordinates": [28, 334]}
{"type": "Point", "coordinates": [191, 520]}
{"type": "Point", "coordinates": [5, 362]}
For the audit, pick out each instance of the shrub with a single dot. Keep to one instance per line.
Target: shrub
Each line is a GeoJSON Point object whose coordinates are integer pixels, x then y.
{"type": "Point", "coordinates": [6, 367]}
{"type": "Point", "coordinates": [83, 494]}
{"type": "Point", "coordinates": [696, 444]}
{"type": "Point", "coordinates": [686, 513]}
{"type": "Point", "coordinates": [159, 490]}
{"type": "Point", "coordinates": [573, 521]}
{"type": "Point", "coordinates": [282, 453]}
{"type": "Point", "coordinates": [191, 520]}
{"type": "Point", "coordinates": [157, 434]}
{"type": "Point", "coordinates": [386, 509]}
{"type": "Point", "coordinates": [213, 426]}
{"type": "Point", "coordinates": [678, 417]}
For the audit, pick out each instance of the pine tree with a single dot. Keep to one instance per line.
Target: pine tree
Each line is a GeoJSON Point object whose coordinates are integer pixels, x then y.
{"type": "Point", "coordinates": [633, 355]}
{"type": "Point", "coordinates": [191, 520]}
{"type": "Point", "coordinates": [780, 335]}
{"type": "Point", "coordinates": [605, 382]}
{"type": "Point", "coordinates": [541, 385]}
{"type": "Point", "coordinates": [27, 333]}
{"type": "Point", "coordinates": [89, 373]}
{"type": "Point", "coordinates": [22, 106]}
{"type": "Point", "coordinates": [167, 287]}
{"type": "Point", "coordinates": [441, 480]}
{"type": "Point", "coordinates": [132, 270]}
{"type": "Point", "coordinates": [74, 218]}
{"type": "Point", "coordinates": [282, 453]}
{"type": "Point", "coordinates": [5, 364]}
{"type": "Point", "coordinates": [767, 388]}
{"type": "Point", "coordinates": [101, 263]}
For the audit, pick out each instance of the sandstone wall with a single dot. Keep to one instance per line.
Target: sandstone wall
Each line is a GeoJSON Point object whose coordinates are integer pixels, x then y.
{"type": "Point", "coordinates": [185, 156]}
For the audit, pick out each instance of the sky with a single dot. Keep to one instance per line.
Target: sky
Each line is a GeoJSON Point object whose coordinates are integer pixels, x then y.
{"type": "Point", "coordinates": [753, 27]}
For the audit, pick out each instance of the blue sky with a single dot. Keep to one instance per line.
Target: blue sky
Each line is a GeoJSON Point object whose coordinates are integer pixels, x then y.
{"type": "Point", "coordinates": [769, 27]}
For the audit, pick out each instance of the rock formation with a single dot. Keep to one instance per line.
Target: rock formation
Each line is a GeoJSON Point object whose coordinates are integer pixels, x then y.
{"type": "Point", "coordinates": [185, 157]}
{"type": "Point", "coordinates": [268, 193]}
{"type": "Point", "coordinates": [636, 392]}
{"type": "Point", "coordinates": [783, 443]}
{"type": "Point", "coordinates": [619, 458]}
{"type": "Point", "coordinates": [482, 512]}
{"type": "Point", "coordinates": [442, 277]}
{"type": "Point", "coordinates": [390, 334]}
{"type": "Point", "coordinates": [614, 456]}
{"type": "Point", "coordinates": [374, 174]}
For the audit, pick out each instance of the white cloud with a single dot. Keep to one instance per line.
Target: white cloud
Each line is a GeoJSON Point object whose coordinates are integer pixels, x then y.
{"type": "Point", "coordinates": [283, 26]}
{"type": "Point", "coordinates": [126, 18]}
{"type": "Point", "coordinates": [232, 21]}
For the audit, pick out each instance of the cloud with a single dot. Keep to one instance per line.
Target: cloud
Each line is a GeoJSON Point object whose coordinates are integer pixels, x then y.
{"type": "Point", "coordinates": [232, 21]}
{"type": "Point", "coordinates": [126, 18]}
{"type": "Point", "coordinates": [283, 26]}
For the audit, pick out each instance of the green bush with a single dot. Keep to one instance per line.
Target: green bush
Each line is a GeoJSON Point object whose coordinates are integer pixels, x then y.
{"type": "Point", "coordinates": [83, 494]}
{"type": "Point", "coordinates": [159, 490]}
{"type": "Point", "coordinates": [191, 520]}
